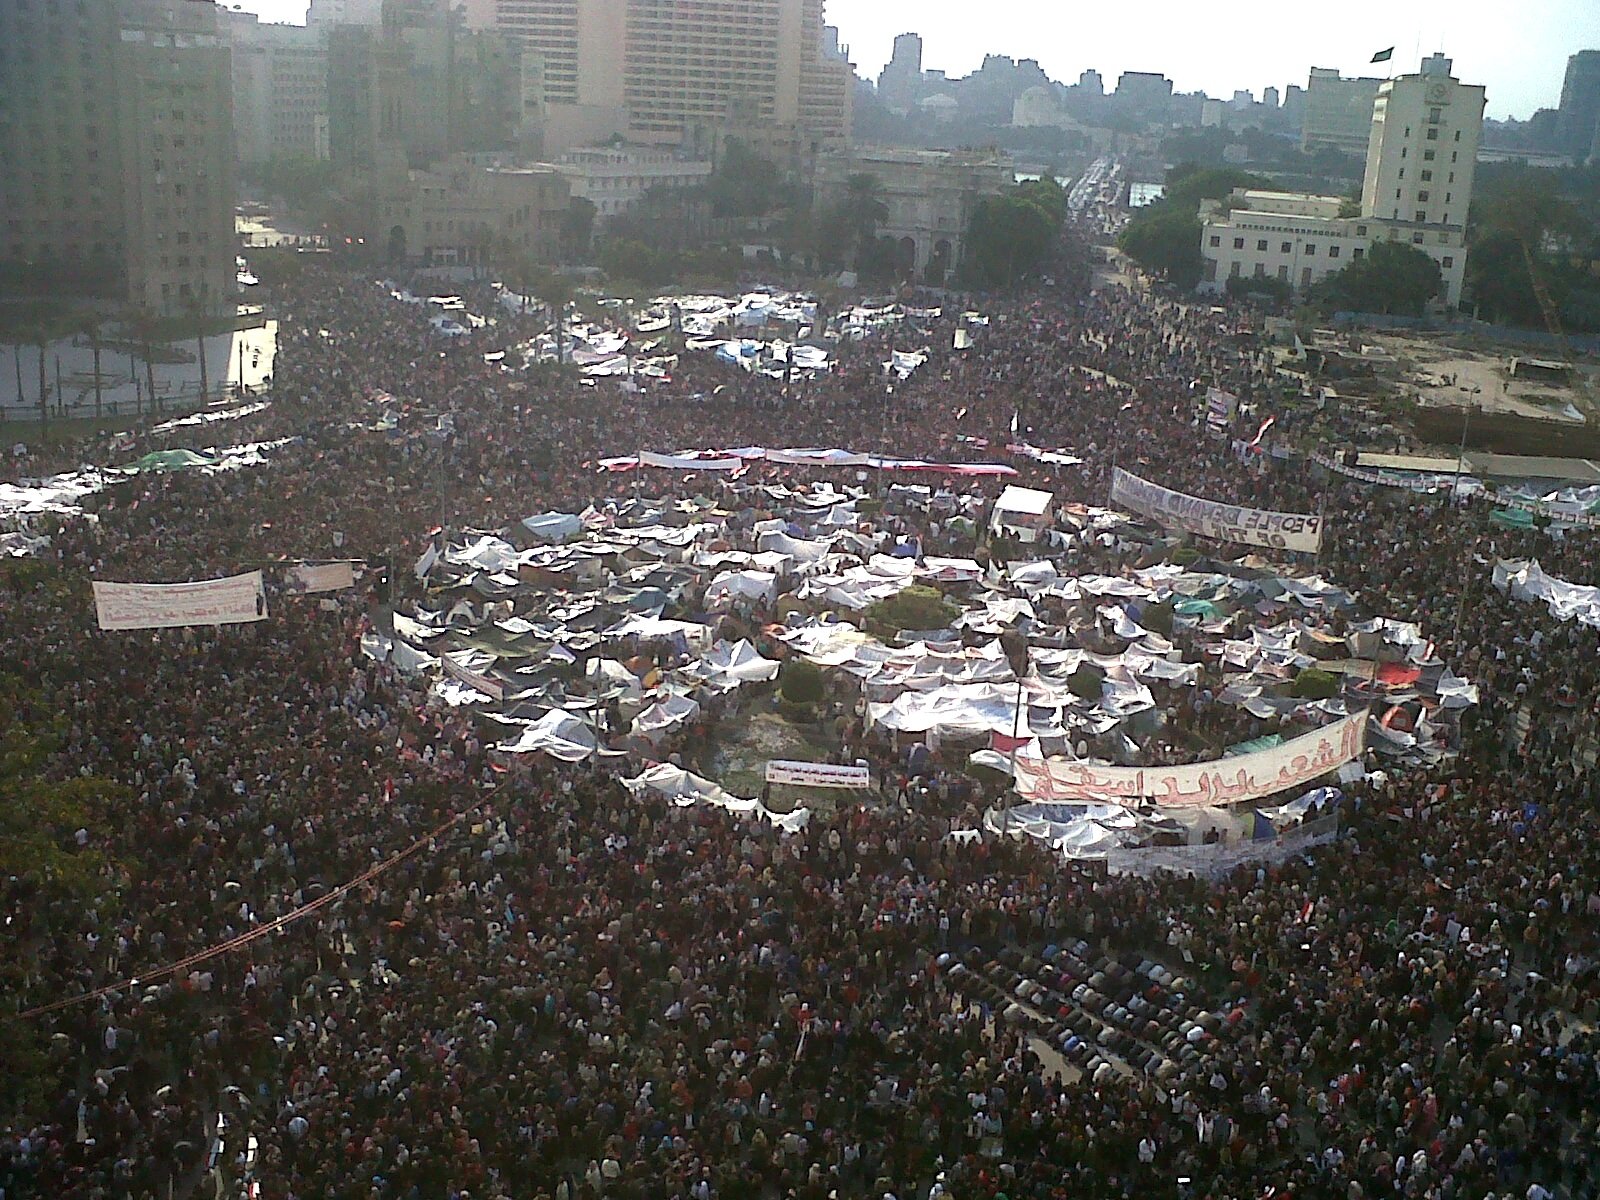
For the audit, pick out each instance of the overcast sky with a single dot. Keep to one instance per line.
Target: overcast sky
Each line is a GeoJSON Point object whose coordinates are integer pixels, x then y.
{"type": "Point", "coordinates": [1516, 48]}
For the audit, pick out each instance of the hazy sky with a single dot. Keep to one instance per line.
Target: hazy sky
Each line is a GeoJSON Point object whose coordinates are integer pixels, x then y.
{"type": "Point", "coordinates": [1516, 48]}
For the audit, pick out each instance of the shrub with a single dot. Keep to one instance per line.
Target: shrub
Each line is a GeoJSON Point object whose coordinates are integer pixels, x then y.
{"type": "Point", "coordinates": [916, 607]}
{"type": "Point", "coordinates": [1312, 684]}
{"type": "Point", "coordinates": [801, 682]}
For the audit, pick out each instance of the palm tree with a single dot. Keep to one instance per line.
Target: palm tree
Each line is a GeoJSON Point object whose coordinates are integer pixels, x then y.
{"type": "Point", "coordinates": [88, 324]}
{"type": "Point", "coordinates": [864, 209]}
{"type": "Point", "coordinates": [146, 328]}
{"type": "Point", "coordinates": [197, 314]}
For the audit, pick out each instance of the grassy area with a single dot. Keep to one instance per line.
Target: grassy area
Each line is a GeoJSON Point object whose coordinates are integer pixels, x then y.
{"type": "Point", "coordinates": [61, 430]}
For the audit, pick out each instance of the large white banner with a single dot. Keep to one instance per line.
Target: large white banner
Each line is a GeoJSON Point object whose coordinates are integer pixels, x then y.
{"type": "Point", "coordinates": [1225, 522]}
{"type": "Point", "coordinates": [823, 775]}
{"type": "Point", "coordinates": [232, 601]}
{"type": "Point", "coordinates": [310, 578]}
{"type": "Point", "coordinates": [1236, 780]}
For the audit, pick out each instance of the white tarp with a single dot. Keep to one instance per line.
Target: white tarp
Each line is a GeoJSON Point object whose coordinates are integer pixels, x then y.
{"type": "Point", "coordinates": [1566, 601]}
{"type": "Point", "coordinates": [1245, 777]}
{"type": "Point", "coordinates": [666, 714]}
{"type": "Point", "coordinates": [686, 790]}
{"type": "Point", "coordinates": [559, 734]}
{"type": "Point", "coordinates": [553, 526]}
{"type": "Point", "coordinates": [821, 775]}
{"type": "Point", "coordinates": [1225, 522]}
{"type": "Point", "coordinates": [310, 578]}
{"type": "Point", "coordinates": [236, 600]}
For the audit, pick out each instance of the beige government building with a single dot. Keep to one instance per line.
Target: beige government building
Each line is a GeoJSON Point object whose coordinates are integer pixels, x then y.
{"type": "Point", "coordinates": [1422, 149]}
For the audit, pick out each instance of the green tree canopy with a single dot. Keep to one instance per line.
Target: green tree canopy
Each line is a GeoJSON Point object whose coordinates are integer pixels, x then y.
{"type": "Point", "coordinates": [1394, 277]}
{"type": "Point", "coordinates": [1164, 237]}
{"type": "Point", "coordinates": [1010, 236]}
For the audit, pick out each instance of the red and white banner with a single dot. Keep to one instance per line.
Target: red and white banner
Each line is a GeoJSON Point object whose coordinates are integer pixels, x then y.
{"type": "Point", "coordinates": [1236, 780]}
{"type": "Point", "coordinates": [236, 600]}
{"type": "Point", "coordinates": [1208, 518]}
{"type": "Point", "coordinates": [823, 775]}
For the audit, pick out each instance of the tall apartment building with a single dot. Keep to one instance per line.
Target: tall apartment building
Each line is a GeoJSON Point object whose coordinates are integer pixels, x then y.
{"type": "Point", "coordinates": [1578, 118]}
{"type": "Point", "coordinates": [1422, 150]}
{"type": "Point", "coordinates": [900, 81]}
{"type": "Point", "coordinates": [418, 88]}
{"type": "Point", "coordinates": [117, 150]}
{"type": "Point", "coordinates": [654, 70]}
{"type": "Point", "coordinates": [280, 89]}
{"type": "Point", "coordinates": [1338, 112]}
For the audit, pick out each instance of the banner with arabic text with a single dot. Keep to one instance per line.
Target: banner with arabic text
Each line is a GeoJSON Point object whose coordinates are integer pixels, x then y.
{"type": "Point", "coordinates": [1240, 779]}
{"type": "Point", "coordinates": [232, 601]}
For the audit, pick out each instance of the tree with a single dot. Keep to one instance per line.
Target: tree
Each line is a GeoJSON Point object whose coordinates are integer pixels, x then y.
{"type": "Point", "coordinates": [89, 326]}
{"type": "Point", "coordinates": [802, 682]}
{"type": "Point", "coordinates": [1394, 277]}
{"type": "Point", "coordinates": [146, 328]}
{"type": "Point", "coordinates": [744, 184]}
{"type": "Point", "coordinates": [1165, 236]}
{"type": "Point", "coordinates": [863, 210]}
{"type": "Point", "coordinates": [1529, 212]}
{"type": "Point", "coordinates": [1167, 242]}
{"type": "Point", "coordinates": [577, 228]}
{"type": "Point", "coordinates": [198, 321]}
{"type": "Point", "coordinates": [1009, 237]}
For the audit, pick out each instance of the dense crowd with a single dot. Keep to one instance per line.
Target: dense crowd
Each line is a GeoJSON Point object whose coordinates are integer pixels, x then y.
{"type": "Point", "coordinates": [564, 991]}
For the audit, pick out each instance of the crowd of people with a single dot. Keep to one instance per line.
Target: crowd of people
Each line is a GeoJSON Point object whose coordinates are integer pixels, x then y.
{"type": "Point", "coordinates": [551, 989]}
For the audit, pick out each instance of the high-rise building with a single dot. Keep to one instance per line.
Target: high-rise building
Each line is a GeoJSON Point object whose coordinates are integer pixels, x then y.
{"type": "Point", "coordinates": [1294, 105]}
{"type": "Point", "coordinates": [1422, 150]}
{"type": "Point", "coordinates": [1144, 94]}
{"type": "Point", "coordinates": [344, 12]}
{"type": "Point", "coordinates": [655, 70]}
{"type": "Point", "coordinates": [280, 89]}
{"type": "Point", "coordinates": [1269, 97]}
{"type": "Point", "coordinates": [420, 87]}
{"type": "Point", "coordinates": [1091, 84]}
{"type": "Point", "coordinates": [117, 151]}
{"type": "Point", "coordinates": [900, 81]}
{"type": "Point", "coordinates": [1579, 113]}
{"type": "Point", "coordinates": [1338, 112]}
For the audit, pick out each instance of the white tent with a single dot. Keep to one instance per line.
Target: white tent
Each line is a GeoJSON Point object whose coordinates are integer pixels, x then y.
{"type": "Point", "coordinates": [553, 526]}
{"type": "Point", "coordinates": [559, 734]}
{"type": "Point", "coordinates": [686, 790]}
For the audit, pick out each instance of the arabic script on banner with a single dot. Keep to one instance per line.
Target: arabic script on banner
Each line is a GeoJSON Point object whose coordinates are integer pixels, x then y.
{"type": "Point", "coordinates": [233, 601]}
{"type": "Point", "coordinates": [1245, 777]}
{"type": "Point", "coordinates": [824, 775]}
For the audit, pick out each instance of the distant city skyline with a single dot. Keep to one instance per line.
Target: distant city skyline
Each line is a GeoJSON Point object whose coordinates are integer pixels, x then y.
{"type": "Point", "coordinates": [1520, 58]}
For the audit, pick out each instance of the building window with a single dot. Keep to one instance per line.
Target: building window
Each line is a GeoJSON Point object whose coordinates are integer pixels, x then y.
{"type": "Point", "coordinates": [1422, 217]}
{"type": "Point", "coordinates": [1286, 248]}
{"type": "Point", "coordinates": [1311, 249]}
{"type": "Point", "coordinates": [1422, 196]}
{"type": "Point", "coordinates": [1402, 174]}
{"type": "Point", "coordinates": [1427, 156]}
{"type": "Point", "coordinates": [1215, 241]}
{"type": "Point", "coordinates": [1261, 246]}
{"type": "Point", "coordinates": [1433, 135]}
{"type": "Point", "coordinates": [1233, 269]}
{"type": "Point", "coordinates": [1261, 270]}
{"type": "Point", "coordinates": [1238, 243]}
{"type": "Point", "coordinates": [1358, 252]}
{"type": "Point", "coordinates": [1427, 177]}
{"type": "Point", "coordinates": [1416, 238]}
{"type": "Point", "coordinates": [1361, 231]}
{"type": "Point", "coordinates": [1449, 261]}
{"type": "Point", "coordinates": [1333, 251]}
{"type": "Point", "coordinates": [1458, 135]}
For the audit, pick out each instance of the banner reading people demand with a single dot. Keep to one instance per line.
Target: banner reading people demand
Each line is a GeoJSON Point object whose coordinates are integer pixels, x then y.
{"type": "Point", "coordinates": [1225, 522]}
{"type": "Point", "coordinates": [1236, 780]}
{"type": "Point", "coordinates": [236, 600]}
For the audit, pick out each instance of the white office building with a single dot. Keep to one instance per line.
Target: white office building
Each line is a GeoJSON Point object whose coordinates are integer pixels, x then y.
{"type": "Point", "coordinates": [1421, 153]}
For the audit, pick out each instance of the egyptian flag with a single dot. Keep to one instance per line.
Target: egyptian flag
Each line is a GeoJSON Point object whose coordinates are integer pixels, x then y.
{"type": "Point", "coordinates": [1383, 55]}
{"type": "Point", "coordinates": [1255, 443]}
{"type": "Point", "coordinates": [1005, 743]}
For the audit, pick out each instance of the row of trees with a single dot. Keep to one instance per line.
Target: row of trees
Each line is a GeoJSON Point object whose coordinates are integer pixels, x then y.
{"type": "Point", "coordinates": [37, 324]}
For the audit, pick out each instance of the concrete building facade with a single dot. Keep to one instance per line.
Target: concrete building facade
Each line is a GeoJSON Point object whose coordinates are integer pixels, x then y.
{"type": "Point", "coordinates": [615, 178]}
{"type": "Point", "coordinates": [930, 194]}
{"type": "Point", "coordinates": [280, 89]}
{"type": "Point", "coordinates": [1338, 112]}
{"type": "Point", "coordinates": [653, 70]}
{"type": "Point", "coordinates": [117, 151]}
{"type": "Point", "coordinates": [1421, 155]}
{"type": "Point", "coordinates": [459, 212]}
{"type": "Point", "coordinates": [1578, 118]}
{"type": "Point", "coordinates": [900, 81]}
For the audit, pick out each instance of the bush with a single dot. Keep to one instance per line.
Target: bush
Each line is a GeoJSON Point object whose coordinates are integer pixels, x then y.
{"type": "Point", "coordinates": [801, 682]}
{"type": "Point", "coordinates": [916, 607]}
{"type": "Point", "coordinates": [1312, 684]}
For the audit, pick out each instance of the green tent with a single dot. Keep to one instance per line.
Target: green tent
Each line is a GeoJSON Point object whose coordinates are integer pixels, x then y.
{"type": "Point", "coordinates": [1512, 518]}
{"type": "Point", "coordinates": [172, 460]}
